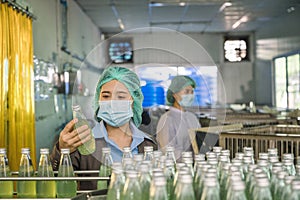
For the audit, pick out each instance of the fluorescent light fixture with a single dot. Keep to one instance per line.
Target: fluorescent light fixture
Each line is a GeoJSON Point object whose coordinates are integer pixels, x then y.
{"type": "Point", "coordinates": [121, 24]}
{"type": "Point", "coordinates": [154, 4]}
{"type": "Point", "coordinates": [226, 4]}
{"type": "Point", "coordinates": [182, 3]}
{"type": "Point", "coordinates": [241, 20]}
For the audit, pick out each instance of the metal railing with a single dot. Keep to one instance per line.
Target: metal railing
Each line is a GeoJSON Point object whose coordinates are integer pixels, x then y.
{"type": "Point", "coordinates": [286, 138]}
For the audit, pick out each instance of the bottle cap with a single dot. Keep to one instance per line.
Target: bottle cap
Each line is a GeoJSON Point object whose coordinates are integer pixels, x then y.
{"type": "Point", "coordinates": [65, 151]}
{"type": "Point", "coordinates": [210, 182]}
{"type": "Point", "coordinates": [263, 182]}
{"type": "Point", "coordinates": [138, 157]}
{"type": "Point", "coordinates": [159, 181]}
{"type": "Point", "coordinates": [76, 107]}
{"type": "Point", "coordinates": [238, 186]}
{"type": "Point", "coordinates": [2, 151]}
{"type": "Point", "coordinates": [126, 149]}
{"type": "Point", "coordinates": [187, 154]}
{"type": "Point", "coordinates": [105, 150]}
{"type": "Point", "coordinates": [44, 151]}
{"type": "Point", "coordinates": [186, 178]}
{"type": "Point", "coordinates": [169, 148]}
{"type": "Point", "coordinates": [25, 150]}
{"type": "Point", "coordinates": [148, 148]}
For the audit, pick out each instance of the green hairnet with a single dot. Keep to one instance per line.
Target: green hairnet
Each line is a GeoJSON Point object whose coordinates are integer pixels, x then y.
{"type": "Point", "coordinates": [131, 82]}
{"type": "Point", "coordinates": [177, 84]}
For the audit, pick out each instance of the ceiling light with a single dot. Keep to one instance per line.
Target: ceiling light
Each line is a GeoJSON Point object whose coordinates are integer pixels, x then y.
{"type": "Point", "coordinates": [182, 3]}
{"type": "Point", "coordinates": [291, 9]}
{"type": "Point", "coordinates": [155, 4]}
{"type": "Point", "coordinates": [226, 4]}
{"type": "Point", "coordinates": [241, 20]}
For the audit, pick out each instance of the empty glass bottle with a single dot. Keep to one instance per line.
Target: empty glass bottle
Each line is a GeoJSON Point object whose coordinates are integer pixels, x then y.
{"type": "Point", "coordinates": [185, 188]}
{"type": "Point", "coordinates": [45, 189]}
{"type": "Point", "coordinates": [237, 191]}
{"type": "Point", "coordinates": [158, 189]}
{"type": "Point", "coordinates": [26, 189]}
{"type": "Point", "coordinates": [6, 187]}
{"type": "Point", "coordinates": [169, 172]}
{"type": "Point", "coordinates": [88, 147]}
{"type": "Point", "coordinates": [295, 195]}
{"type": "Point", "coordinates": [145, 180]}
{"type": "Point", "coordinates": [105, 168]}
{"type": "Point", "coordinates": [262, 190]}
{"type": "Point", "coordinates": [148, 153]}
{"type": "Point", "coordinates": [116, 184]}
{"type": "Point", "coordinates": [211, 190]}
{"type": "Point", "coordinates": [132, 188]}
{"type": "Point", "coordinates": [65, 188]}
{"type": "Point", "coordinates": [127, 152]}
{"type": "Point", "coordinates": [170, 153]}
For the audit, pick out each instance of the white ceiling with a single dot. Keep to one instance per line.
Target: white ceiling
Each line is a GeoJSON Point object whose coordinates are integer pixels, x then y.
{"type": "Point", "coordinates": [191, 16]}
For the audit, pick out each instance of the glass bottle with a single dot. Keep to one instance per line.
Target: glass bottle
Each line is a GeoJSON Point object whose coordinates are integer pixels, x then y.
{"type": "Point", "coordinates": [185, 189]}
{"type": "Point", "coordinates": [137, 160]}
{"type": "Point", "coordinates": [6, 187]}
{"type": "Point", "coordinates": [105, 168]}
{"type": "Point", "coordinates": [116, 184]}
{"type": "Point", "coordinates": [262, 190]}
{"type": "Point", "coordinates": [169, 172]}
{"type": "Point", "coordinates": [45, 189]}
{"type": "Point", "coordinates": [211, 190]}
{"type": "Point", "coordinates": [88, 147]}
{"type": "Point", "coordinates": [132, 188]}
{"type": "Point", "coordinates": [148, 153]}
{"type": "Point", "coordinates": [287, 188]}
{"type": "Point", "coordinates": [145, 180]}
{"type": "Point", "coordinates": [127, 153]}
{"type": "Point", "coordinates": [170, 153]}
{"type": "Point", "coordinates": [237, 191]}
{"type": "Point", "coordinates": [156, 158]}
{"type": "Point", "coordinates": [158, 189]}
{"type": "Point", "coordinates": [289, 167]}
{"type": "Point", "coordinates": [279, 186]}
{"type": "Point", "coordinates": [295, 195]}
{"type": "Point", "coordinates": [65, 188]}
{"type": "Point", "coordinates": [26, 189]}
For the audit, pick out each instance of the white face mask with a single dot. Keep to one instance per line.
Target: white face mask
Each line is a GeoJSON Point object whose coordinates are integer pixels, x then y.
{"type": "Point", "coordinates": [187, 100]}
{"type": "Point", "coordinates": [115, 112]}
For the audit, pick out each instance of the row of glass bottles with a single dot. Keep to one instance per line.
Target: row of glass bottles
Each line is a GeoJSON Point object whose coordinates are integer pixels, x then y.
{"type": "Point", "coordinates": [40, 188]}
{"type": "Point", "coordinates": [210, 176]}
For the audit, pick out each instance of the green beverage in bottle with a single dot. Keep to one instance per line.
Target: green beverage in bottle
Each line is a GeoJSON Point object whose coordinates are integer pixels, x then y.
{"type": "Point", "coordinates": [66, 188]}
{"type": "Point", "coordinates": [6, 187]}
{"type": "Point", "coordinates": [45, 189]}
{"type": "Point", "coordinates": [105, 168]}
{"type": "Point", "coordinates": [26, 189]}
{"type": "Point", "coordinates": [88, 147]}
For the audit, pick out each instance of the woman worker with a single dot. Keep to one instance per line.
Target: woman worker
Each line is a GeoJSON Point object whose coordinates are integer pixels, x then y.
{"type": "Point", "coordinates": [118, 100]}
{"type": "Point", "coordinates": [173, 126]}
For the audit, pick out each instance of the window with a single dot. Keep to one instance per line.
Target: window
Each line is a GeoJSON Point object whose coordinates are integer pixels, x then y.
{"type": "Point", "coordinates": [155, 81]}
{"type": "Point", "coordinates": [236, 49]}
{"type": "Point", "coordinates": [120, 51]}
{"type": "Point", "coordinates": [287, 81]}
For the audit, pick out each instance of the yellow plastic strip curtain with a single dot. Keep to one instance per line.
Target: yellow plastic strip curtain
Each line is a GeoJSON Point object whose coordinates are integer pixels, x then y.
{"type": "Point", "coordinates": [17, 91]}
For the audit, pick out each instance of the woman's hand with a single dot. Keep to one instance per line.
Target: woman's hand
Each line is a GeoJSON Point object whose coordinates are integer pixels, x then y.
{"type": "Point", "coordinates": [71, 137]}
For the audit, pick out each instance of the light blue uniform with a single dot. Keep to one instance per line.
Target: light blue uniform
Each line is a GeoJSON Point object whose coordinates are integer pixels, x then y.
{"type": "Point", "coordinates": [137, 138]}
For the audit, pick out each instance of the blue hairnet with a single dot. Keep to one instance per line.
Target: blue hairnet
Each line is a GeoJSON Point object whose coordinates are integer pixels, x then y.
{"type": "Point", "coordinates": [131, 82]}
{"type": "Point", "coordinates": [177, 84]}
